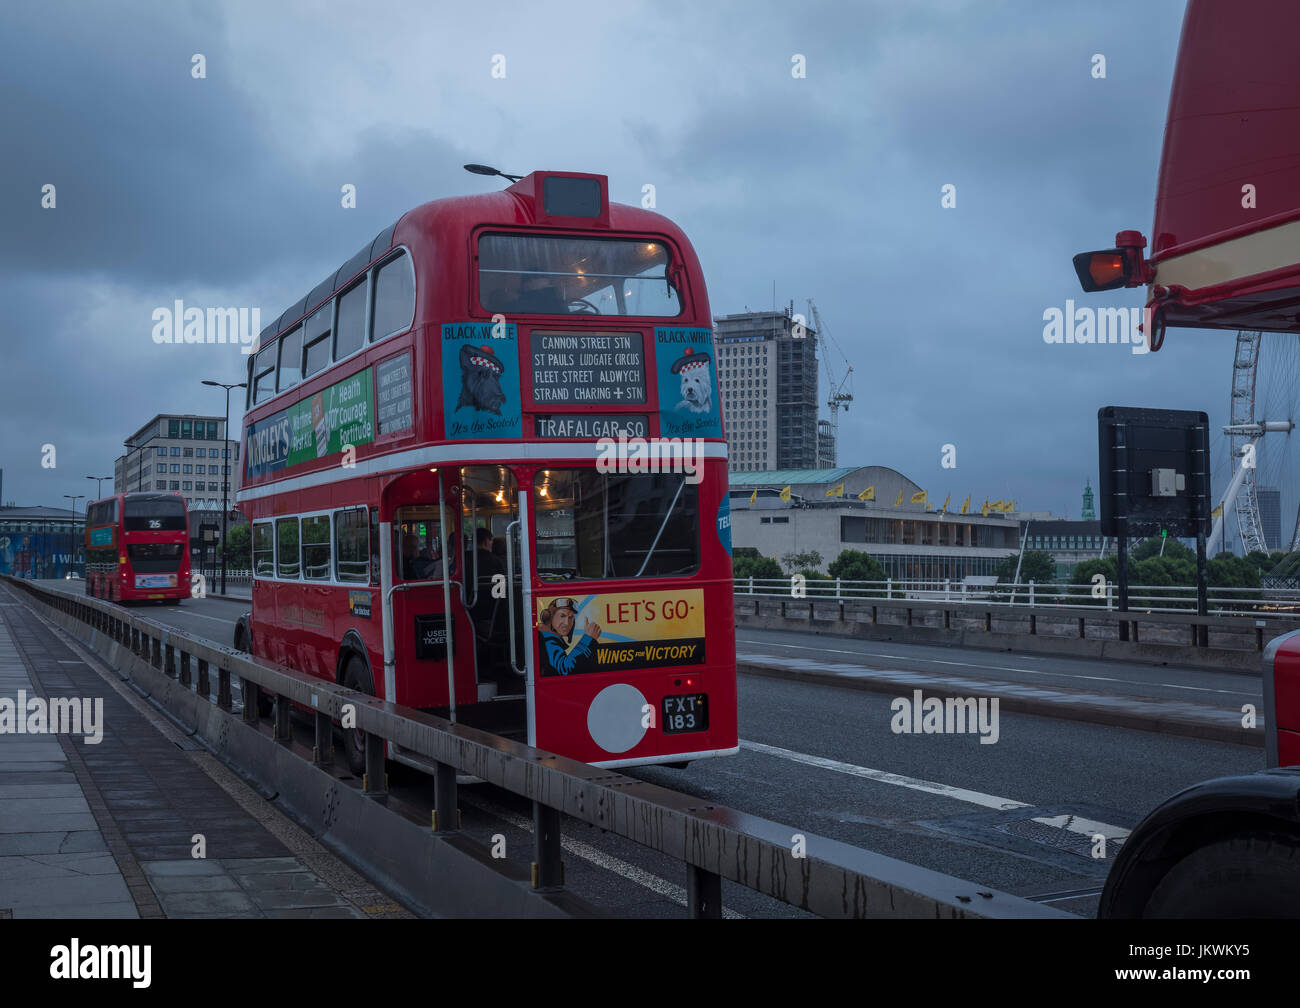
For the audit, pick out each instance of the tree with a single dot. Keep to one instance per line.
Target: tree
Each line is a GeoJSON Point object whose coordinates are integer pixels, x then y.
{"type": "Point", "coordinates": [1228, 571]}
{"type": "Point", "coordinates": [760, 568]}
{"type": "Point", "coordinates": [238, 547]}
{"type": "Point", "coordinates": [1150, 547]}
{"type": "Point", "coordinates": [1086, 571]}
{"type": "Point", "coordinates": [854, 565]}
{"type": "Point", "coordinates": [1037, 566]}
{"type": "Point", "coordinates": [798, 561]}
{"type": "Point", "coordinates": [1257, 559]}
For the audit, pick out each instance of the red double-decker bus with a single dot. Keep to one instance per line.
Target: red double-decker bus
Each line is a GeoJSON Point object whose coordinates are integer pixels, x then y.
{"type": "Point", "coordinates": [138, 548]}
{"type": "Point", "coordinates": [443, 513]}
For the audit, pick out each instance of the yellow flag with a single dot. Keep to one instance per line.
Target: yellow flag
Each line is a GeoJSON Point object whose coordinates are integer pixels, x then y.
{"type": "Point", "coordinates": [899, 502]}
{"type": "Point", "coordinates": [1009, 506]}
{"type": "Point", "coordinates": [868, 494]}
{"type": "Point", "coordinates": [918, 497]}
{"type": "Point", "coordinates": [785, 494]}
{"type": "Point", "coordinates": [836, 491]}
{"type": "Point", "coordinates": [753, 498]}
{"type": "Point", "coordinates": [996, 505]}
{"type": "Point", "coordinates": [1217, 512]}
{"type": "Point", "coordinates": [985, 509]}
{"type": "Point", "coordinates": [946, 502]}
{"type": "Point", "coordinates": [965, 506]}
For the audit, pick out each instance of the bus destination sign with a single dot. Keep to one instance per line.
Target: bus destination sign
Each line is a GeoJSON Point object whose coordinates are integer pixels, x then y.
{"type": "Point", "coordinates": [580, 368]}
{"type": "Point", "coordinates": [591, 425]}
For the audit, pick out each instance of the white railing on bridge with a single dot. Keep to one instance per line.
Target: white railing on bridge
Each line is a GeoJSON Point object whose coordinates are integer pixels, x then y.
{"type": "Point", "coordinates": [1263, 603]}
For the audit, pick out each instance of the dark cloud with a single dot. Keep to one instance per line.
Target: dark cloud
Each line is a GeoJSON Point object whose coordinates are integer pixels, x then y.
{"type": "Point", "coordinates": [226, 191]}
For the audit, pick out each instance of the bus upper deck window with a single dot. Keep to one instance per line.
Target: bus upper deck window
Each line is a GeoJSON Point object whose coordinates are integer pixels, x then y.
{"type": "Point", "coordinates": [544, 275]}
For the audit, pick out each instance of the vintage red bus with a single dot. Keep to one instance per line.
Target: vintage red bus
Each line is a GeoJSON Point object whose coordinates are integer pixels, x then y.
{"type": "Point", "coordinates": [1226, 255]}
{"type": "Point", "coordinates": [138, 548]}
{"type": "Point", "coordinates": [435, 516]}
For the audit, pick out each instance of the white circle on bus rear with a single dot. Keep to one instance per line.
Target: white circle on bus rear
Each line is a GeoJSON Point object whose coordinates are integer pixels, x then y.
{"type": "Point", "coordinates": [614, 718]}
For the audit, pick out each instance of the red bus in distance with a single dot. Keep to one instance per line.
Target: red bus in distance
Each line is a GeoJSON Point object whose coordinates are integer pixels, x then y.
{"type": "Point", "coordinates": [437, 515]}
{"type": "Point", "coordinates": [138, 548]}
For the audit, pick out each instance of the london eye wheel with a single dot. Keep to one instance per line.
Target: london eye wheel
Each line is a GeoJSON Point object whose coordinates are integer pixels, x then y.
{"type": "Point", "coordinates": [1262, 410]}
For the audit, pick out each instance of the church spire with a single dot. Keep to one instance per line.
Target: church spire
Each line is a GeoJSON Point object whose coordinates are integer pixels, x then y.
{"type": "Point", "coordinates": [1089, 512]}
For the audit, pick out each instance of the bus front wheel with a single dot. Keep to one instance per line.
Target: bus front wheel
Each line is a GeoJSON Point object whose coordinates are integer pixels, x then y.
{"type": "Point", "coordinates": [354, 739]}
{"type": "Point", "coordinates": [1252, 875]}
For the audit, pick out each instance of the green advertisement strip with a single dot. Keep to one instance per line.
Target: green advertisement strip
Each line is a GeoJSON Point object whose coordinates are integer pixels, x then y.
{"type": "Point", "coordinates": [312, 428]}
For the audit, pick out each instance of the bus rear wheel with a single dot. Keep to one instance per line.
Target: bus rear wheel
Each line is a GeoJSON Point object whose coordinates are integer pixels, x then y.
{"type": "Point", "coordinates": [354, 739]}
{"type": "Point", "coordinates": [1253, 875]}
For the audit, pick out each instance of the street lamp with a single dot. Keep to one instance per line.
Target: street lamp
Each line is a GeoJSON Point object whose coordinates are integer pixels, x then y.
{"type": "Point", "coordinates": [74, 498]}
{"type": "Point", "coordinates": [99, 484]}
{"type": "Point", "coordinates": [139, 481]}
{"type": "Point", "coordinates": [225, 472]}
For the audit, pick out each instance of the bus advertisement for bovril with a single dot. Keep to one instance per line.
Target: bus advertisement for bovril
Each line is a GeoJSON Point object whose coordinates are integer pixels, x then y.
{"type": "Point", "coordinates": [637, 630]}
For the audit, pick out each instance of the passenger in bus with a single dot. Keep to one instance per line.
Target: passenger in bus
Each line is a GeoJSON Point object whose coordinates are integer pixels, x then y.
{"type": "Point", "coordinates": [563, 656]}
{"type": "Point", "coordinates": [527, 293]}
{"type": "Point", "coordinates": [488, 562]}
{"type": "Point", "coordinates": [416, 562]}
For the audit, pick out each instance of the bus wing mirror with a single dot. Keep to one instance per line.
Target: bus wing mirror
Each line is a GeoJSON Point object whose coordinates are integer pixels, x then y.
{"type": "Point", "coordinates": [1104, 270]}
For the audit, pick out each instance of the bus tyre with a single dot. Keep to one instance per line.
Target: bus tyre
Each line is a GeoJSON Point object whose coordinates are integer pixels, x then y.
{"type": "Point", "coordinates": [1252, 875]}
{"type": "Point", "coordinates": [354, 739]}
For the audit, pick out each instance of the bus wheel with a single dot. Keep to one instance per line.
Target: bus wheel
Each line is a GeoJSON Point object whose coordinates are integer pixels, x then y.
{"type": "Point", "coordinates": [1253, 875]}
{"type": "Point", "coordinates": [678, 766]}
{"type": "Point", "coordinates": [354, 739]}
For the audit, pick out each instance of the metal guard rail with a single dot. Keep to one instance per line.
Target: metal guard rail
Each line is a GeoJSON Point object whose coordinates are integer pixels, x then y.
{"type": "Point", "coordinates": [714, 842]}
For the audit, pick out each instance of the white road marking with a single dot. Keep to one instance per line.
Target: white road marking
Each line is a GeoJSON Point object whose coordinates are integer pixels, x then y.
{"type": "Point", "coordinates": [996, 668]}
{"type": "Point", "coordinates": [1068, 822]}
{"type": "Point", "coordinates": [213, 619]}
{"type": "Point", "coordinates": [599, 858]}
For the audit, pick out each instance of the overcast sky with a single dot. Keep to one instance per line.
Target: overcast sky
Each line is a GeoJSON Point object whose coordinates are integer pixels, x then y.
{"type": "Point", "coordinates": [226, 191]}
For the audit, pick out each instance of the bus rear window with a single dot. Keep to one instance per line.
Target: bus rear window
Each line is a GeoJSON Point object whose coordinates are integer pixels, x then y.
{"type": "Point", "coordinates": [593, 525]}
{"type": "Point", "coordinates": [153, 514]}
{"type": "Point", "coordinates": [542, 275]}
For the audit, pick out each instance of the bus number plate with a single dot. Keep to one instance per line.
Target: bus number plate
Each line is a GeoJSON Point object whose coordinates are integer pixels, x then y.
{"type": "Point", "coordinates": [686, 713]}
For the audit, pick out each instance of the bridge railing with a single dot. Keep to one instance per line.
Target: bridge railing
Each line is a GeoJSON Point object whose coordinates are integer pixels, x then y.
{"type": "Point", "coordinates": [1266, 603]}
{"type": "Point", "coordinates": [1240, 626]}
{"type": "Point", "coordinates": [816, 874]}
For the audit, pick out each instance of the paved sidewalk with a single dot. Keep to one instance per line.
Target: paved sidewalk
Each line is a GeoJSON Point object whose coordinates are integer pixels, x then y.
{"type": "Point", "coordinates": [1170, 717]}
{"type": "Point", "coordinates": [111, 829]}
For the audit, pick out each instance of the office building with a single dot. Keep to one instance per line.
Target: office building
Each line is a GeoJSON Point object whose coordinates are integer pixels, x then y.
{"type": "Point", "coordinates": [1270, 516]}
{"type": "Point", "coordinates": [767, 378]}
{"type": "Point", "coordinates": [913, 542]}
{"type": "Point", "coordinates": [180, 453]}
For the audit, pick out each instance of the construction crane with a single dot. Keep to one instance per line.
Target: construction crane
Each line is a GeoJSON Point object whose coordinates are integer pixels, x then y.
{"type": "Point", "coordinates": [840, 393]}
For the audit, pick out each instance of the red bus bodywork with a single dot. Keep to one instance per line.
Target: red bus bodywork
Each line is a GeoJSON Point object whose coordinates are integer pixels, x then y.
{"type": "Point", "coordinates": [1227, 215]}
{"type": "Point", "coordinates": [604, 716]}
{"type": "Point", "coordinates": [1226, 255]}
{"type": "Point", "coordinates": [126, 559]}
